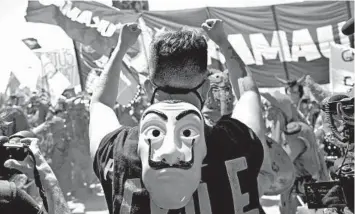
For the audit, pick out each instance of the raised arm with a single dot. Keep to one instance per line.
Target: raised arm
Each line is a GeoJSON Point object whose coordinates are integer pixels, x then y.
{"type": "Point", "coordinates": [102, 117]}
{"type": "Point", "coordinates": [236, 67]}
{"type": "Point", "coordinates": [248, 108]}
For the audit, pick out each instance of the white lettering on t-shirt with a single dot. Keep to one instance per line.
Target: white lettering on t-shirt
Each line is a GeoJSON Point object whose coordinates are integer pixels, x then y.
{"type": "Point", "coordinates": [131, 186]}
{"type": "Point", "coordinates": [239, 200]}
{"type": "Point", "coordinates": [108, 168]}
{"type": "Point", "coordinates": [204, 199]}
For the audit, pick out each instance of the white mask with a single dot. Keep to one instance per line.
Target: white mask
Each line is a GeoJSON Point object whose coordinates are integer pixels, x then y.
{"type": "Point", "coordinates": [171, 147]}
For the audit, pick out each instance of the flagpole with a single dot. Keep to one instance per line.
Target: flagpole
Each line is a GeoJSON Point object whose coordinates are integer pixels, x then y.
{"type": "Point", "coordinates": [8, 84]}
{"type": "Point", "coordinates": [77, 56]}
{"type": "Point", "coordinates": [7, 87]}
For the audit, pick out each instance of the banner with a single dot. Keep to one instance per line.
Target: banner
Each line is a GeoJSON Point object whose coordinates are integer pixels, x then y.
{"type": "Point", "coordinates": [59, 71]}
{"type": "Point", "coordinates": [87, 22]}
{"type": "Point", "coordinates": [272, 40]}
{"type": "Point", "coordinates": [57, 84]}
{"type": "Point", "coordinates": [341, 68]}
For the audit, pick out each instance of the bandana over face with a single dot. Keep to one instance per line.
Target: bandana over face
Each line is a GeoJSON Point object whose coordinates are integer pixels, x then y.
{"type": "Point", "coordinates": [220, 97]}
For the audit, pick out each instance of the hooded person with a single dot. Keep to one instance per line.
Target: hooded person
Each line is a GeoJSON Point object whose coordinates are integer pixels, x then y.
{"type": "Point", "coordinates": [298, 140]}
{"type": "Point", "coordinates": [173, 162]}
{"type": "Point", "coordinates": [277, 113]}
{"type": "Point", "coordinates": [282, 166]}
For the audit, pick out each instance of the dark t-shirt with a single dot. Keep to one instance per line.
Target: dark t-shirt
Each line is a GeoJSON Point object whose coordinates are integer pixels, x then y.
{"type": "Point", "coordinates": [229, 172]}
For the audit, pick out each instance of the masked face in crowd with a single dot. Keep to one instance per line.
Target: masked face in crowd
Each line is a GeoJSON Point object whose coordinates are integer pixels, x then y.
{"type": "Point", "coordinates": [171, 147]}
{"type": "Point", "coordinates": [220, 96]}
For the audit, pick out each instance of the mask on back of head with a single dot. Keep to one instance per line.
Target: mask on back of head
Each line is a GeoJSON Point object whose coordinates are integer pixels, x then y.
{"type": "Point", "coordinates": [171, 148]}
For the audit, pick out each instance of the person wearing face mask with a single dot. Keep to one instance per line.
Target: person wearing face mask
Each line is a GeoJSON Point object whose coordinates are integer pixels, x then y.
{"type": "Point", "coordinates": [220, 97]}
{"type": "Point", "coordinates": [172, 162]}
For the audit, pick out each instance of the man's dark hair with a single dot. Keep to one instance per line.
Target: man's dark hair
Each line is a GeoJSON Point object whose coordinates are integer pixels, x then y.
{"type": "Point", "coordinates": [178, 59]}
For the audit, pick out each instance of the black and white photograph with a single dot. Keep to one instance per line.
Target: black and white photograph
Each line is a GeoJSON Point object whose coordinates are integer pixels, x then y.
{"type": "Point", "coordinates": [177, 107]}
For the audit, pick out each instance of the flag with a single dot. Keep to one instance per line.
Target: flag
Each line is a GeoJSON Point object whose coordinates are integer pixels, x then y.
{"type": "Point", "coordinates": [12, 85]}
{"type": "Point", "coordinates": [57, 85]}
{"type": "Point", "coordinates": [32, 43]}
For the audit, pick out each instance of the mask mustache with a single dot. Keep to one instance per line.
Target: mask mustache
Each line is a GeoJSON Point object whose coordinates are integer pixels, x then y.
{"type": "Point", "coordinates": [157, 165]}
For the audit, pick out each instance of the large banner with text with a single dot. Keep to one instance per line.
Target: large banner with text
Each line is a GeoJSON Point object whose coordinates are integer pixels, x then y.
{"type": "Point", "coordinates": [283, 40]}
{"type": "Point", "coordinates": [59, 71]}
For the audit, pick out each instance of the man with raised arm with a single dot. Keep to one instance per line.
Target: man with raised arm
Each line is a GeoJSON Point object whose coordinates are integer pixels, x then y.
{"type": "Point", "coordinates": [172, 162]}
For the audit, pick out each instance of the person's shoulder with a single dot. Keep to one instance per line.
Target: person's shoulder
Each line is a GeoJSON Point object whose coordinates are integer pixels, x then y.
{"type": "Point", "coordinates": [120, 136]}
{"type": "Point", "coordinates": [123, 139]}
{"type": "Point", "coordinates": [233, 128]}
{"type": "Point", "coordinates": [230, 138]}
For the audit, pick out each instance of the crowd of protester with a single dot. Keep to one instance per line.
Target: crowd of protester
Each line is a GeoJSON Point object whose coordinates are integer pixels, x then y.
{"type": "Point", "coordinates": [63, 130]}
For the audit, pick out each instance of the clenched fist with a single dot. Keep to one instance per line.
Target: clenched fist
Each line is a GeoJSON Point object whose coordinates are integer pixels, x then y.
{"type": "Point", "coordinates": [215, 31]}
{"type": "Point", "coordinates": [129, 34]}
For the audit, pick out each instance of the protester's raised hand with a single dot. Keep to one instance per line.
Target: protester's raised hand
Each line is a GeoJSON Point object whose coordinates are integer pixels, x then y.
{"type": "Point", "coordinates": [129, 34]}
{"type": "Point", "coordinates": [214, 29]}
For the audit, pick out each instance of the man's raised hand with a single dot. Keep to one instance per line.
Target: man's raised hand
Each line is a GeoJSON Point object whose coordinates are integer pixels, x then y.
{"type": "Point", "coordinates": [215, 31]}
{"type": "Point", "coordinates": [129, 34]}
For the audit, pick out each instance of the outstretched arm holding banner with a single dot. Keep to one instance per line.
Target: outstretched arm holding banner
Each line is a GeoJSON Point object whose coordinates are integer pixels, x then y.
{"type": "Point", "coordinates": [235, 65]}
{"type": "Point", "coordinates": [237, 69]}
{"type": "Point", "coordinates": [248, 108]}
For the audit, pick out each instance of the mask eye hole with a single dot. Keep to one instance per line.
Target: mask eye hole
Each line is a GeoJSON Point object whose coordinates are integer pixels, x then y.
{"type": "Point", "coordinates": [188, 134]}
{"type": "Point", "coordinates": [155, 134]}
